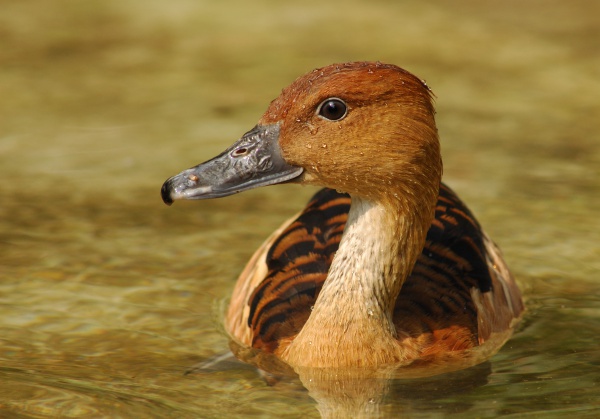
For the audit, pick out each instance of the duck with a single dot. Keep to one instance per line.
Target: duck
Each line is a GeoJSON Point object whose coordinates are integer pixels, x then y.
{"type": "Point", "coordinates": [385, 267]}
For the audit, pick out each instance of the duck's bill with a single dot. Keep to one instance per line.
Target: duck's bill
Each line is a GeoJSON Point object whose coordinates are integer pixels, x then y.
{"type": "Point", "coordinates": [254, 160]}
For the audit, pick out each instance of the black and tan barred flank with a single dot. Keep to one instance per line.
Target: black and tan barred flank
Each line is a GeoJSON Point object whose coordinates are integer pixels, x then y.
{"type": "Point", "coordinates": [437, 294]}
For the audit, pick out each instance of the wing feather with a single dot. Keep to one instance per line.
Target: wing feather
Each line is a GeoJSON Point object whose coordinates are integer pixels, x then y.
{"type": "Point", "coordinates": [459, 292]}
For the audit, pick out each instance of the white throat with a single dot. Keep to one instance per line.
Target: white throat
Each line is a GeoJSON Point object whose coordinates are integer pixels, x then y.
{"type": "Point", "coordinates": [364, 262]}
{"type": "Point", "coordinates": [354, 308]}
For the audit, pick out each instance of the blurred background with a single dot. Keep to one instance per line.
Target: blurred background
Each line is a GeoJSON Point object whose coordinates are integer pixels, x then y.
{"type": "Point", "coordinates": [107, 296]}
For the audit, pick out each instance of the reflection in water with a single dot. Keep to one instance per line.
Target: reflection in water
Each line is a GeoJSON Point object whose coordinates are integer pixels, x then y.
{"type": "Point", "coordinates": [347, 395]}
{"type": "Point", "coordinates": [363, 393]}
{"type": "Point", "coordinates": [343, 394]}
{"type": "Point", "coordinates": [107, 297]}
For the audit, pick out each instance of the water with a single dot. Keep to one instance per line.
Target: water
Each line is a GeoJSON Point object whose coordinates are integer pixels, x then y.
{"type": "Point", "coordinates": [107, 296]}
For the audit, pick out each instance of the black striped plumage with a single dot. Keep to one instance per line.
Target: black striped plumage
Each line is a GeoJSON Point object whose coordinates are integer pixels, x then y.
{"type": "Point", "coordinates": [436, 295]}
{"type": "Point", "coordinates": [297, 263]}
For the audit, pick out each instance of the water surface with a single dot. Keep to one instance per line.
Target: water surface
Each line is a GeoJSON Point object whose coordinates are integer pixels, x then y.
{"type": "Point", "coordinates": [107, 296]}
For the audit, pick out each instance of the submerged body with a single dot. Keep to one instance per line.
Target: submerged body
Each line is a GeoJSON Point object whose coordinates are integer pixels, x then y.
{"type": "Point", "coordinates": [391, 270]}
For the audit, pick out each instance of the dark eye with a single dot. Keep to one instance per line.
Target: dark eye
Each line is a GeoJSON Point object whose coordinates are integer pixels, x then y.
{"type": "Point", "coordinates": [333, 109]}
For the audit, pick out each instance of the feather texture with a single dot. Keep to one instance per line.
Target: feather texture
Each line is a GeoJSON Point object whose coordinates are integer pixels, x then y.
{"type": "Point", "coordinates": [394, 272]}
{"type": "Point", "coordinates": [440, 302]}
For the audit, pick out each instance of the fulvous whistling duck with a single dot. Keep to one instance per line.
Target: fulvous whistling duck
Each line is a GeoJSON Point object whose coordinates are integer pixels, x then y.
{"type": "Point", "coordinates": [385, 266]}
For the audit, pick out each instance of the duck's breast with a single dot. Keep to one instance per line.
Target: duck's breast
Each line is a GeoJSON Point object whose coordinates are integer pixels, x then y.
{"type": "Point", "coordinates": [459, 292]}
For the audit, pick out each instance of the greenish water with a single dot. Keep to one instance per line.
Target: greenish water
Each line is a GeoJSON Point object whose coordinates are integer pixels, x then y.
{"type": "Point", "coordinates": [107, 296]}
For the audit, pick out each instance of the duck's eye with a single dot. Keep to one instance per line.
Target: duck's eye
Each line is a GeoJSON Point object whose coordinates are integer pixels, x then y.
{"type": "Point", "coordinates": [333, 109]}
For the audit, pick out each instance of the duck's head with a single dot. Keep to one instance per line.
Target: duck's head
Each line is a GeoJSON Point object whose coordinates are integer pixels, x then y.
{"type": "Point", "coordinates": [363, 128]}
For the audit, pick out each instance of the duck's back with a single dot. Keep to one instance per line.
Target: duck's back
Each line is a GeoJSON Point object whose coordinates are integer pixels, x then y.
{"type": "Point", "coordinates": [459, 293]}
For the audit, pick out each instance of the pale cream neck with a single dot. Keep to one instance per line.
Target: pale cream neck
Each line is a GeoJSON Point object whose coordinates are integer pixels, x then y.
{"type": "Point", "coordinates": [351, 321]}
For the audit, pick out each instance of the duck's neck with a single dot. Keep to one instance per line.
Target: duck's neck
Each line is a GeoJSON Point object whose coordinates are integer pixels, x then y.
{"type": "Point", "coordinates": [351, 322]}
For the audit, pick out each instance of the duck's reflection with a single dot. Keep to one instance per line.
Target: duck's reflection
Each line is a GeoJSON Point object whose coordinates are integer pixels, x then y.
{"type": "Point", "coordinates": [344, 394]}
{"type": "Point", "coordinates": [364, 393]}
